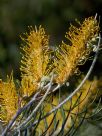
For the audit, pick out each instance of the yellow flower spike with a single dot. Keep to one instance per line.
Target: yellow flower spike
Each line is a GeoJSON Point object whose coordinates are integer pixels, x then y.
{"type": "Point", "coordinates": [35, 59]}
{"type": "Point", "coordinates": [8, 100]}
{"type": "Point", "coordinates": [69, 57]}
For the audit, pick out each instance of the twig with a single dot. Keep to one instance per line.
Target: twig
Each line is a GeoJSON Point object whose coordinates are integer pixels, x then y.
{"type": "Point", "coordinates": [39, 104]}
{"type": "Point", "coordinates": [18, 113]}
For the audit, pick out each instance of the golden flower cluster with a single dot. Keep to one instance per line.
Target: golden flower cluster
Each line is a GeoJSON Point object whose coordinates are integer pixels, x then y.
{"type": "Point", "coordinates": [70, 56]}
{"type": "Point", "coordinates": [35, 59]}
{"type": "Point", "coordinates": [8, 100]}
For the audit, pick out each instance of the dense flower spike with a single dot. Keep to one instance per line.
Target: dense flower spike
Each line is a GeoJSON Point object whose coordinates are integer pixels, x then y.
{"type": "Point", "coordinates": [69, 57]}
{"type": "Point", "coordinates": [8, 100]}
{"type": "Point", "coordinates": [35, 59]}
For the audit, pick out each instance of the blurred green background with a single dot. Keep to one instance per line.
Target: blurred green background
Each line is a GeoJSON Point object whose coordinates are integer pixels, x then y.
{"type": "Point", "coordinates": [54, 15]}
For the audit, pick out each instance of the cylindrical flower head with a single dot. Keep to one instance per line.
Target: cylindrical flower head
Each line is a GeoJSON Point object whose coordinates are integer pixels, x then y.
{"type": "Point", "coordinates": [8, 100]}
{"type": "Point", "coordinates": [34, 60]}
{"type": "Point", "coordinates": [69, 57]}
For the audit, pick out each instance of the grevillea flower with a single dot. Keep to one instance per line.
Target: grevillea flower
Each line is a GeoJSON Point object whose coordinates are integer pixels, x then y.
{"type": "Point", "coordinates": [8, 100]}
{"type": "Point", "coordinates": [34, 60]}
{"type": "Point", "coordinates": [69, 57]}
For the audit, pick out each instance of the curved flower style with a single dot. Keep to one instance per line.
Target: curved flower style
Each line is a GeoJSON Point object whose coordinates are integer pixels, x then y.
{"type": "Point", "coordinates": [69, 57]}
{"type": "Point", "coordinates": [34, 60]}
{"type": "Point", "coordinates": [8, 100]}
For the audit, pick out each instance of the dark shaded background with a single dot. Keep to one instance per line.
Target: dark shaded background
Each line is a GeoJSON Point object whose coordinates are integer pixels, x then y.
{"type": "Point", "coordinates": [54, 15]}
